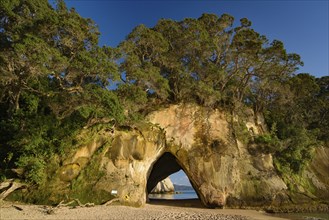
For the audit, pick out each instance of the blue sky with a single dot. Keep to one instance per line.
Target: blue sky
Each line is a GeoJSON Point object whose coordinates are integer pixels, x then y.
{"type": "Point", "coordinates": [180, 178]}
{"type": "Point", "coordinates": [301, 25]}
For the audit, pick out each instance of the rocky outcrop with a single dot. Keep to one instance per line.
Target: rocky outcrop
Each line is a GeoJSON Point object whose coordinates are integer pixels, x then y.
{"type": "Point", "coordinates": [318, 173]}
{"type": "Point", "coordinates": [164, 186]}
{"type": "Point", "coordinates": [128, 162]}
{"type": "Point", "coordinates": [220, 167]}
{"type": "Point", "coordinates": [112, 164]}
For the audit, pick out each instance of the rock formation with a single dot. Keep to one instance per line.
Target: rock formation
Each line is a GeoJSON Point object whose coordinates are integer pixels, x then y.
{"type": "Point", "coordinates": [219, 166]}
{"type": "Point", "coordinates": [128, 162]}
{"type": "Point", "coordinates": [164, 186]}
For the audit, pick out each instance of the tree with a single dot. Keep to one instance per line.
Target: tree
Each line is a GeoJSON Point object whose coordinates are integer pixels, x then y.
{"type": "Point", "coordinates": [320, 119]}
{"type": "Point", "coordinates": [206, 61]}
{"type": "Point", "coordinates": [41, 44]}
{"type": "Point", "coordinates": [54, 81]}
{"type": "Point", "coordinates": [142, 50]}
{"type": "Point", "coordinates": [294, 110]}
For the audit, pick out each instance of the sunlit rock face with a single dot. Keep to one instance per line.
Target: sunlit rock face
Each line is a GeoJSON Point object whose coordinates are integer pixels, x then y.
{"type": "Point", "coordinates": [318, 173]}
{"type": "Point", "coordinates": [219, 166]}
{"type": "Point", "coordinates": [110, 164]}
{"type": "Point", "coordinates": [127, 163]}
{"type": "Point", "coordinates": [164, 186]}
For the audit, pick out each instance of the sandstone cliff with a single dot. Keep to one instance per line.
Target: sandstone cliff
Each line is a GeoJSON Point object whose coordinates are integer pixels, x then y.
{"type": "Point", "coordinates": [127, 162]}
{"type": "Point", "coordinates": [219, 166]}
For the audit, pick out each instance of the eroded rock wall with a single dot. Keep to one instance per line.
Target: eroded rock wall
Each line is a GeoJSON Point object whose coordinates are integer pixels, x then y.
{"type": "Point", "coordinates": [219, 166]}
{"type": "Point", "coordinates": [318, 173]}
{"type": "Point", "coordinates": [127, 162]}
{"type": "Point", "coordinates": [112, 164]}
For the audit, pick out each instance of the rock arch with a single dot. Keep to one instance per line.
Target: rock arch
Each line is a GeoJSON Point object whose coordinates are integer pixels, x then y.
{"type": "Point", "coordinates": [166, 165]}
{"type": "Point", "coordinates": [198, 140]}
{"type": "Point", "coordinates": [161, 169]}
{"type": "Point", "coordinates": [220, 167]}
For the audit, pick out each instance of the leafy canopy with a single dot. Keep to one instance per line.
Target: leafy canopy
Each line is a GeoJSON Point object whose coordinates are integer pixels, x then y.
{"type": "Point", "coordinates": [54, 80]}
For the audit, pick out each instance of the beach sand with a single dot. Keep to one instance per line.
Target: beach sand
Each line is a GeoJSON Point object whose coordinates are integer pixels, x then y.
{"type": "Point", "coordinates": [155, 209]}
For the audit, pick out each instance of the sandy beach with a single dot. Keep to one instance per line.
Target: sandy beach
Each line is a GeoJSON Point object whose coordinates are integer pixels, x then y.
{"type": "Point", "coordinates": [188, 209]}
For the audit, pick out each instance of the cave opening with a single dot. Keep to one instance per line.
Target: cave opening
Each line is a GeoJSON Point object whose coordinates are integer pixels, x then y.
{"type": "Point", "coordinates": [165, 166]}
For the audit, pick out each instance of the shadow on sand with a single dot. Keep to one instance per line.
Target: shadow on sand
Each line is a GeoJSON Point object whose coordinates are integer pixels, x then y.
{"type": "Point", "coordinates": [193, 203]}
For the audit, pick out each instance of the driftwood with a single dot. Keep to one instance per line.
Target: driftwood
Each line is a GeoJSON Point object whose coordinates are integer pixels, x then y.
{"type": "Point", "coordinates": [17, 207]}
{"type": "Point", "coordinates": [111, 201]}
{"type": "Point", "coordinates": [11, 185]}
{"type": "Point", "coordinates": [5, 184]}
{"type": "Point", "coordinates": [62, 204]}
{"type": "Point", "coordinates": [51, 210]}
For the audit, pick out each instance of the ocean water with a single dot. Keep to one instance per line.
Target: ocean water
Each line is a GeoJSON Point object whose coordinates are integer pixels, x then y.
{"type": "Point", "coordinates": [186, 194]}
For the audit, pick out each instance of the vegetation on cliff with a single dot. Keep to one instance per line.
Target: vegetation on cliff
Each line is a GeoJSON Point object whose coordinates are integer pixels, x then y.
{"type": "Point", "coordinates": [55, 80]}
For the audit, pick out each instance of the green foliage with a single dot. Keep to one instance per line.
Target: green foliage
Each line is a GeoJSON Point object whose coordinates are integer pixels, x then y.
{"type": "Point", "coordinates": [101, 103]}
{"type": "Point", "coordinates": [83, 187]}
{"type": "Point", "coordinates": [132, 97]}
{"type": "Point", "coordinates": [268, 143]}
{"type": "Point", "coordinates": [241, 131]}
{"type": "Point", "coordinates": [320, 113]}
{"type": "Point", "coordinates": [142, 48]}
{"type": "Point", "coordinates": [34, 169]}
{"type": "Point", "coordinates": [297, 152]}
{"type": "Point", "coordinates": [53, 83]}
{"type": "Point", "coordinates": [294, 111]}
{"type": "Point", "coordinates": [206, 61]}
